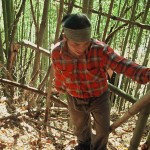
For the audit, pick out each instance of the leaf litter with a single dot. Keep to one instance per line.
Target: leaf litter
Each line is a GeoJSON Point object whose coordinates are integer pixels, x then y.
{"type": "Point", "coordinates": [22, 133]}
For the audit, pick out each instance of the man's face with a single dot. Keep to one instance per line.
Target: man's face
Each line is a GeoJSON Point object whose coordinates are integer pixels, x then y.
{"type": "Point", "coordinates": [77, 48]}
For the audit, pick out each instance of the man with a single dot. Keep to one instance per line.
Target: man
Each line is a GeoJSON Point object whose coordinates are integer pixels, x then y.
{"type": "Point", "coordinates": [80, 65]}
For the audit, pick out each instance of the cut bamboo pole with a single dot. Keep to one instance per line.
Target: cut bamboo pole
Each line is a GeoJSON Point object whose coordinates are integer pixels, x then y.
{"type": "Point", "coordinates": [140, 126]}
{"type": "Point", "coordinates": [144, 101]}
{"type": "Point", "coordinates": [121, 93]}
{"type": "Point", "coordinates": [32, 89]}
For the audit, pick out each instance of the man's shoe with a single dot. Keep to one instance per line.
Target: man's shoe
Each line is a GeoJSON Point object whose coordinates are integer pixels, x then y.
{"type": "Point", "coordinates": [82, 147]}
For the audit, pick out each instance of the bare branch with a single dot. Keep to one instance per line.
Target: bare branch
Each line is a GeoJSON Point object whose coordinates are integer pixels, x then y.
{"type": "Point", "coordinates": [33, 46]}
{"type": "Point", "coordinates": [26, 87]}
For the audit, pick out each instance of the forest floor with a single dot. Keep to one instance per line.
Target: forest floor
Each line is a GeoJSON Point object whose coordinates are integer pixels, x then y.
{"type": "Point", "coordinates": [26, 131]}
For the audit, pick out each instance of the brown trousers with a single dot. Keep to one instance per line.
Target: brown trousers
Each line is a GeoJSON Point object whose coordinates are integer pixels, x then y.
{"type": "Point", "coordinates": [80, 114]}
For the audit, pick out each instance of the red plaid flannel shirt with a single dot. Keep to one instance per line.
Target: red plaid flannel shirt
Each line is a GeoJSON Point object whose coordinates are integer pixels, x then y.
{"type": "Point", "coordinates": [86, 76]}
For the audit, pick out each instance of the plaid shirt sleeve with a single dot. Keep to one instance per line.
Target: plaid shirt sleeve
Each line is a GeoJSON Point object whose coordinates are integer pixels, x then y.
{"type": "Point", "coordinates": [127, 67]}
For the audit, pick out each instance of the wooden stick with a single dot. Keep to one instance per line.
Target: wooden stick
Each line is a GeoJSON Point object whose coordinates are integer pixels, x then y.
{"type": "Point", "coordinates": [19, 114]}
{"type": "Point", "coordinates": [26, 87]}
{"type": "Point", "coordinates": [45, 124]}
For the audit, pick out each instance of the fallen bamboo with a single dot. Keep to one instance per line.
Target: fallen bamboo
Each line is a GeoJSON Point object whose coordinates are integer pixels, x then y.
{"type": "Point", "coordinates": [45, 124]}
{"type": "Point", "coordinates": [26, 112]}
{"type": "Point", "coordinates": [132, 111]}
{"type": "Point", "coordinates": [141, 103]}
{"type": "Point", "coordinates": [26, 87]}
{"type": "Point", "coordinates": [140, 127]}
{"type": "Point", "coordinates": [121, 93]}
{"type": "Point", "coordinates": [33, 46]}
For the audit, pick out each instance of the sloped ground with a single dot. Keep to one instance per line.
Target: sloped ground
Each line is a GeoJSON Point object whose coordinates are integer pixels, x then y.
{"type": "Point", "coordinates": [26, 132]}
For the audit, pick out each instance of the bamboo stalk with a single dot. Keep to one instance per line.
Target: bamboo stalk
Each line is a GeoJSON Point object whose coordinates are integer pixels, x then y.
{"type": "Point", "coordinates": [138, 41]}
{"type": "Point", "coordinates": [33, 46]}
{"type": "Point", "coordinates": [121, 93]}
{"type": "Point", "coordinates": [59, 18]}
{"type": "Point", "coordinates": [48, 97]}
{"type": "Point", "coordinates": [140, 126]}
{"type": "Point", "coordinates": [26, 87]}
{"type": "Point", "coordinates": [141, 25]}
{"type": "Point", "coordinates": [144, 101]}
{"type": "Point", "coordinates": [108, 20]}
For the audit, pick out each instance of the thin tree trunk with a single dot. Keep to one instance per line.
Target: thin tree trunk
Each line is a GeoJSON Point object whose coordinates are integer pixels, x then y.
{"type": "Point", "coordinates": [138, 41]}
{"type": "Point", "coordinates": [70, 6]}
{"type": "Point", "coordinates": [140, 126]}
{"type": "Point", "coordinates": [6, 26]}
{"type": "Point", "coordinates": [59, 20]}
{"type": "Point", "coordinates": [48, 97]}
{"type": "Point", "coordinates": [43, 25]}
{"type": "Point", "coordinates": [40, 34]}
{"type": "Point", "coordinates": [97, 28]}
{"type": "Point", "coordinates": [21, 58]}
{"type": "Point", "coordinates": [91, 2]}
{"type": "Point", "coordinates": [44, 35]}
{"type": "Point", "coordinates": [85, 6]}
{"type": "Point", "coordinates": [8, 16]}
{"type": "Point", "coordinates": [124, 79]}
{"type": "Point", "coordinates": [37, 55]}
{"type": "Point", "coordinates": [108, 20]}
{"type": "Point", "coordinates": [146, 59]}
{"type": "Point", "coordinates": [1, 50]}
